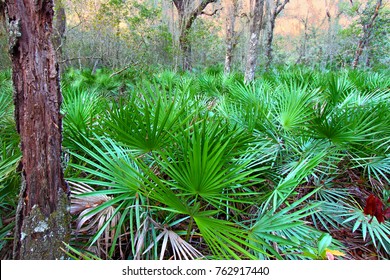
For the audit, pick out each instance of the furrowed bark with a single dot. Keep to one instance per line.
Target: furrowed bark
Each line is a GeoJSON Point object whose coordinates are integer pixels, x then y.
{"type": "Point", "coordinates": [42, 219]}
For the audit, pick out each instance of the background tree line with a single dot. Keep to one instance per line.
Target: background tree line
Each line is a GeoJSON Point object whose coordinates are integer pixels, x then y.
{"type": "Point", "coordinates": [190, 35]}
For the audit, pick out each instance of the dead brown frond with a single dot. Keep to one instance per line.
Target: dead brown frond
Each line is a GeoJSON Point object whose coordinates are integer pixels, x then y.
{"type": "Point", "coordinates": [91, 218]}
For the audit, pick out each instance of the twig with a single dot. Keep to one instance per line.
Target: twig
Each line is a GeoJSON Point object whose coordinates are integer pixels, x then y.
{"type": "Point", "coordinates": [123, 69]}
{"type": "Point", "coordinates": [81, 57]}
{"type": "Point", "coordinates": [211, 14]}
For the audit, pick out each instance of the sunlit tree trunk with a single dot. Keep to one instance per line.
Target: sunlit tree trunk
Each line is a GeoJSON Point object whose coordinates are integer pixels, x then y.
{"type": "Point", "coordinates": [252, 55]}
{"type": "Point", "coordinates": [231, 35]}
{"type": "Point", "coordinates": [42, 219]}
{"type": "Point", "coordinates": [187, 13]}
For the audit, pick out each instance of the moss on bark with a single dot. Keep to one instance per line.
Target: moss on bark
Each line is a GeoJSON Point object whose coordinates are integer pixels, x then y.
{"type": "Point", "coordinates": [42, 237]}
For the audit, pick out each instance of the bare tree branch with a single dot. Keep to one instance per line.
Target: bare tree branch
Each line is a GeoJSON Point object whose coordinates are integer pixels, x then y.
{"type": "Point", "coordinates": [123, 69]}
{"type": "Point", "coordinates": [281, 7]}
{"type": "Point", "coordinates": [213, 13]}
{"type": "Point", "coordinates": [81, 57]}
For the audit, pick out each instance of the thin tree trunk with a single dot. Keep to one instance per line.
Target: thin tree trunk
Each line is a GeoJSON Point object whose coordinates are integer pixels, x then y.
{"type": "Point", "coordinates": [274, 12]}
{"type": "Point", "coordinates": [367, 30]}
{"type": "Point", "coordinates": [254, 40]}
{"type": "Point", "coordinates": [231, 40]}
{"type": "Point", "coordinates": [59, 29]}
{"type": "Point", "coordinates": [302, 53]}
{"type": "Point", "coordinates": [329, 49]}
{"type": "Point", "coordinates": [42, 219]}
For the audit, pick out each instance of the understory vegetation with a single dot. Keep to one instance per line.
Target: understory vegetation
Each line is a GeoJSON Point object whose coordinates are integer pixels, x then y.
{"type": "Point", "coordinates": [171, 165]}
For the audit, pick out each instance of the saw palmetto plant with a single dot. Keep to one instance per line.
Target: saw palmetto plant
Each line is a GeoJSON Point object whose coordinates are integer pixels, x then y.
{"type": "Point", "coordinates": [203, 166]}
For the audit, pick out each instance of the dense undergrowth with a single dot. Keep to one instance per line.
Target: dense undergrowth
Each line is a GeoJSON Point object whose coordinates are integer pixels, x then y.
{"type": "Point", "coordinates": [176, 166]}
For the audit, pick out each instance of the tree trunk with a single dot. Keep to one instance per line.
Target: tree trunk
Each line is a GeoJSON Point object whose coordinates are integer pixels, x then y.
{"type": "Point", "coordinates": [367, 30]}
{"type": "Point", "coordinates": [274, 12]}
{"type": "Point", "coordinates": [231, 40]}
{"type": "Point", "coordinates": [42, 219]}
{"type": "Point", "coordinates": [59, 28]}
{"type": "Point", "coordinates": [254, 40]}
{"type": "Point", "coordinates": [187, 16]}
{"type": "Point", "coordinates": [302, 52]}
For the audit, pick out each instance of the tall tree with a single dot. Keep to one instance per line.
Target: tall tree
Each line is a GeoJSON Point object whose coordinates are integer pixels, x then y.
{"type": "Point", "coordinates": [254, 41]}
{"type": "Point", "coordinates": [231, 35]}
{"type": "Point", "coordinates": [188, 12]}
{"type": "Point", "coordinates": [275, 7]}
{"type": "Point", "coordinates": [42, 219]}
{"type": "Point", "coordinates": [368, 20]}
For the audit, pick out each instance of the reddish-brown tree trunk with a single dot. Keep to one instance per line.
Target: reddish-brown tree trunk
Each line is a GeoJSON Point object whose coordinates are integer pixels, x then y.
{"type": "Point", "coordinates": [42, 220]}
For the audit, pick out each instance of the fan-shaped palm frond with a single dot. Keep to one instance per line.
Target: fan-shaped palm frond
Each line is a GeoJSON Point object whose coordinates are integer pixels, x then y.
{"type": "Point", "coordinates": [203, 163]}
{"type": "Point", "coordinates": [379, 232]}
{"type": "Point", "coordinates": [146, 123]}
{"type": "Point", "coordinates": [295, 106]}
{"type": "Point", "coordinates": [284, 232]}
{"type": "Point", "coordinates": [83, 114]}
{"type": "Point", "coordinates": [117, 179]}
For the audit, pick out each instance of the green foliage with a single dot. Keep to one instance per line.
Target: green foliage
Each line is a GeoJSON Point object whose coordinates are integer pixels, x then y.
{"type": "Point", "coordinates": [378, 232]}
{"type": "Point", "coordinates": [145, 121]}
{"type": "Point", "coordinates": [378, 48]}
{"type": "Point", "coordinates": [203, 166]}
{"type": "Point", "coordinates": [9, 160]}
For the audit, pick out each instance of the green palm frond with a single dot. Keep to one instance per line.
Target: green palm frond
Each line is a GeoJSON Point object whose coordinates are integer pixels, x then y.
{"type": "Point", "coordinates": [335, 203]}
{"type": "Point", "coordinates": [287, 185]}
{"type": "Point", "coordinates": [83, 114]}
{"type": "Point", "coordinates": [8, 165]}
{"type": "Point", "coordinates": [111, 166]}
{"type": "Point", "coordinates": [345, 126]}
{"type": "Point", "coordinates": [117, 181]}
{"type": "Point", "coordinates": [337, 88]}
{"type": "Point", "coordinates": [6, 104]}
{"type": "Point", "coordinates": [379, 232]}
{"type": "Point", "coordinates": [77, 254]}
{"type": "Point", "coordinates": [376, 167]}
{"type": "Point", "coordinates": [295, 106]}
{"type": "Point", "coordinates": [227, 240]}
{"type": "Point", "coordinates": [146, 123]}
{"type": "Point", "coordinates": [203, 164]}
{"type": "Point", "coordinates": [285, 230]}
{"type": "Point", "coordinates": [369, 81]}
{"type": "Point", "coordinates": [167, 78]}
